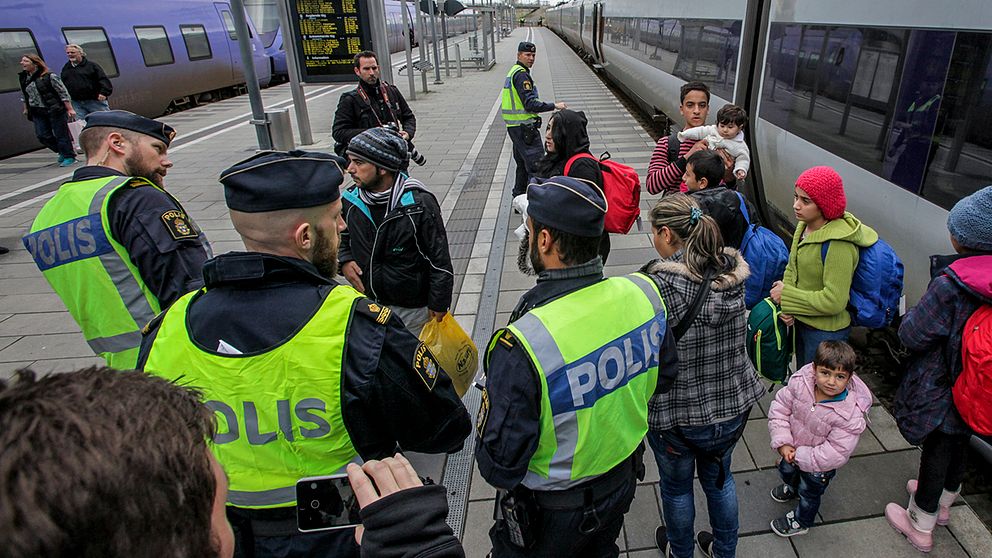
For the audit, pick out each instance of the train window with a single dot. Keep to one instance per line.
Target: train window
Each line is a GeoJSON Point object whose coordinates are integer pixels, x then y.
{"type": "Point", "coordinates": [232, 32]}
{"type": "Point", "coordinates": [155, 47]}
{"type": "Point", "coordinates": [95, 45]}
{"type": "Point", "coordinates": [14, 44]}
{"type": "Point", "coordinates": [910, 105]}
{"type": "Point", "coordinates": [691, 49]}
{"type": "Point", "coordinates": [265, 15]}
{"type": "Point", "coordinates": [197, 45]}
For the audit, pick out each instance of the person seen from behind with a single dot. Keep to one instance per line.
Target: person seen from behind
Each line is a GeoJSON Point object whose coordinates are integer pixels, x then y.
{"type": "Point", "coordinates": [47, 104]}
{"type": "Point", "coordinates": [703, 178]}
{"type": "Point", "coordinates": [815, 422]}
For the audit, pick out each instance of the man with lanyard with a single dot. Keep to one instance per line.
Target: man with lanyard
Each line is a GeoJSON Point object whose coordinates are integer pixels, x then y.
{"type": "Point", "coordinates": [564, 409]}
{"type": "Point", "coordinates": [305, 375]}
{"type": "Point", "coordinates": [372, 104]}
{"type": "Point", "coordinates": [520, 106]}
{"type": "Point", "coordinates": [114, 245]}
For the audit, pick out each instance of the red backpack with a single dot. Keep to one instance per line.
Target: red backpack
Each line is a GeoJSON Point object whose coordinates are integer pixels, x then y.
{"type": "Point", "coordinates": [973, 389]}
{"type": "Point", "coordinates": [622, 188]}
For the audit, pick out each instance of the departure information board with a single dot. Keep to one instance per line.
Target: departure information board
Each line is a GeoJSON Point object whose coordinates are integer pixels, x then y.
{"type": "Point", "coordinates": [328, 34]}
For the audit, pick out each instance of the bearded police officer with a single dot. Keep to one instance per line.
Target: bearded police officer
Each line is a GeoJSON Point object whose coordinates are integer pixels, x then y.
{"type": "Point", "coordinates": [520, 108]}
{"type": "Point", "coordinates": [305, 375]}
{"type": "Point", "coordinates": [114, 245]}
{"type": "Point", "coordinates": [565, 406]}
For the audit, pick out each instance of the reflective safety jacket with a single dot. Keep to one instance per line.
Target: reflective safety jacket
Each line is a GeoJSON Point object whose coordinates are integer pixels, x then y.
{"type": "Point", "coordinates": [595, 382]}
{"type": "Point", "coordinates": [279, 412]}
{"type": "Point", "coordinates": [514, 112]}
{"type": "Point", "coordinates": [71, 242]}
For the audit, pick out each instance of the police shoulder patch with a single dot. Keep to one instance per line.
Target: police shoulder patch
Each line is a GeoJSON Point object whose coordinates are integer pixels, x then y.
{"type": "Point", "coordinates": [426, 366]}
{"type": "Point", "coordinates": [528, 85]}
{"type": "Point", "coordinates": [179, 225]}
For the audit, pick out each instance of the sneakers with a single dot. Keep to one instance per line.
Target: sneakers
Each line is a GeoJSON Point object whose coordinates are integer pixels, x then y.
{"type": "Point", "coordinates": [704, 539]}
{"type": "Point", "coordinates": [788, 526]}
{"type": "Point", "coordinates": [914, 523]}
{"type": "Point", "coordinates": [61, 158]}
{"type": "Point", "coordinates": [67, 162]}
{"type": "Point", "coordinates": [661, 537]}
{"type": "Point", "coordinates": [946, 499]}
{"type": "Point", "coordinates": [783, 493]}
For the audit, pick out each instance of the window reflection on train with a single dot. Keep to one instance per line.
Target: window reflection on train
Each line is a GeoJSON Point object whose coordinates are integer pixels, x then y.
{"type": "Point", "coordinates": [912, 106]}
{"type": "Point", "coordinates": [691, 49]}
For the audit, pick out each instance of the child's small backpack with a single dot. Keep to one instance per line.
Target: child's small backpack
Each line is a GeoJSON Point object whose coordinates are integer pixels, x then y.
{"type": "Point", "coordinates": [622, 188]}
{"type": "Point", "coordinates": [972, 390]}
{"type": "Point", "coordinates": [766, 255]}
{"type": "Point", "coordinates": [770, 343]}
{"type": "Point", "coordinates": [876, 287]}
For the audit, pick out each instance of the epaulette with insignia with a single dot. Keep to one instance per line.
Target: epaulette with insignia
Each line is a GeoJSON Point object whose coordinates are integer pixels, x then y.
{"type": "Point", "coordinates": [507, 339]}
{"type": "Point", "coordinates": [379, 313]}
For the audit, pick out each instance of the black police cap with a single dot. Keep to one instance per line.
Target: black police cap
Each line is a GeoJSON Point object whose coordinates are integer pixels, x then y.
{"type": "Point", "coordinates": [571, 205]}
{"type": "Point", "coordinates": [274, 180]}
{"type": "Point", "coordinates": [130, 121]}
{"type": "Point", "coordinates": [526, 46]}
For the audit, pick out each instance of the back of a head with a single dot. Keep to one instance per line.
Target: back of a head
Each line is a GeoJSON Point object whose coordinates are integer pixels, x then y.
{"type": "Point", "coordinates": [702, 246]}
{"type": "Point", "coordinates": [104, 463]}
{"type": "Point", "coordinates": [709, 165]}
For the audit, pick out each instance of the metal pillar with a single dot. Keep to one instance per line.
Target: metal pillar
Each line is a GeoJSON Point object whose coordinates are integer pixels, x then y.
{"type": "Point", "coordinates": [437, 55]}
{"type": "Point", "coordinates": [486, 23]}
{"type": "Point", "coordinates": [420, 42]}
{"type": "Point", "coordinates": [295, 87]}
{"type": "Point", "coordinates": [409, 50]}
{"type": "Point", "coordinates": [444, 37]}
{"type": "Point", "coordinates": [380, 38]}
{"type": "Point", "coordinates": [251, 79]}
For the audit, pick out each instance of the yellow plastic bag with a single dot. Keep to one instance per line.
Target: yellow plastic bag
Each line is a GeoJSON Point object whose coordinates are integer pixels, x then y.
{"type": "Point", "coordinates": [453, 349]}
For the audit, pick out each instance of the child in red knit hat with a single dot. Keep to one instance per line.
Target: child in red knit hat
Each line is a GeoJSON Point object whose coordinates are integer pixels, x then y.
{"type": "Point", "coordinates": [813, 293]}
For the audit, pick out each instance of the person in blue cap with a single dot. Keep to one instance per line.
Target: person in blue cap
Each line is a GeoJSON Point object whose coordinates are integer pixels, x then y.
{"type": "Point", "coordinates": [565, 404]}
{"type": "Point", "coordinates": [306, 375]}
{"type": "Point", "coordinates": [520, 105]}
{"type": "Point", "coordinates": [113, 243]}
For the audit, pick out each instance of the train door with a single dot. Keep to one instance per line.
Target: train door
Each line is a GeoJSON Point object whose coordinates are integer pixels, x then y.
{"type": "Point", "coordinates": [597, 31]}
{"type": "Point", "coordinates": [231, 41]}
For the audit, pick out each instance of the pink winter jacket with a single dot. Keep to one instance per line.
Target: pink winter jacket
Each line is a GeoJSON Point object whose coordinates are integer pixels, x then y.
{"type": "Point", "coordinates": [823, 434]}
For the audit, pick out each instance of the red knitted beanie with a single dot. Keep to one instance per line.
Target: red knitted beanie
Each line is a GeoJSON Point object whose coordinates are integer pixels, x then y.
{"type": "Point", "coordinates": [824, 186]}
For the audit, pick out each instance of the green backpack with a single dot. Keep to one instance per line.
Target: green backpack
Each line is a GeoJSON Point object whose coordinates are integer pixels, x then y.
{"type": "Point", "coordinates": [770, 343]}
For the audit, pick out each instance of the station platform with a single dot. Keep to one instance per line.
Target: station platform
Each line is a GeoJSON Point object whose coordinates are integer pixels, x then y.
{"type": "Point", "coordinates": [470, 169]}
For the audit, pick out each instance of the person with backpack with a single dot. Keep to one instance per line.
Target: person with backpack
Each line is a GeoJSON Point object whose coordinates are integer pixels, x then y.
{"type": "Point", "coordinates": [703, 177]}
{"type": "Point", "coordinates": [925, 404]}
{"type": "Point", "coordinates": [48, 106]}
{"type": "Point", "coordinates": [815, 290]}
{"type": "Point", "coordinates": [696, 425]}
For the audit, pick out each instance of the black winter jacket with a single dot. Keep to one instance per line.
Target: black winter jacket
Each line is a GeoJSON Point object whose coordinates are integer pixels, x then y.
{"type": "Point", "coordinates": [724, 205]}
{"type": "Point", "coordinates": [410, 523]}
{"type": "Point", "coordinates": [86, 81]}
{"type": "Point", "coordinates": [354, 115]}
{"type": "Point", "coordinates": [405, 259]}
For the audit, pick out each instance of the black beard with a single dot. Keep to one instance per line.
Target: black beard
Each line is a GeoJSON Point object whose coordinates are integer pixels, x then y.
{"type": "Point", "coordinates": [528, 261]}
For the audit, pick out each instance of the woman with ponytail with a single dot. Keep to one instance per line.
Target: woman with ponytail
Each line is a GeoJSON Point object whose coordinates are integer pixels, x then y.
{"type": "Point", "coordinates": [696, 425]}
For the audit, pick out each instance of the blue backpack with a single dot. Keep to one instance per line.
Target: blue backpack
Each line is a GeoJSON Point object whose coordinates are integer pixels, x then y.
{"type": "Point", "coordinates": [876, 287]}
{"type": "Point", "coordinates": [765, 254]}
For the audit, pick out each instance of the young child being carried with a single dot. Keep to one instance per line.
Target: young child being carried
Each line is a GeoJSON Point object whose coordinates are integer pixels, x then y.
{"type": "Point", "coordinates": [726, 134]}
{"type": "Point", "coordinates": [815, 422]}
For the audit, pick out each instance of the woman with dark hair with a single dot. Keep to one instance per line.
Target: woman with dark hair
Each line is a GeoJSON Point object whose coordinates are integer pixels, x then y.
{"type": "Point", "coordinates": [567, 137]}
{"type": "Point", "coordinates": [47, 104]}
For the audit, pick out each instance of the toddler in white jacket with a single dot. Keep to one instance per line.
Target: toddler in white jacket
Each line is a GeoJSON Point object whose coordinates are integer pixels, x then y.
{"type": "Point", "coordinates": [726, 134]}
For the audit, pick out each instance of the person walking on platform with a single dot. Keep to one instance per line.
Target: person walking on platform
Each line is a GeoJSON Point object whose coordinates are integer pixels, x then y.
{"type": "Point", "coordinates": [86, 81]}
{"type": "Point", "coordinates": [372, 104]}
{"type": "Point", "coordinates": [394, 249]}
{"type": "Point", "coordinates": [113, 244]}
{"type": "Point", "coordinates": [306, 374]}
{"type": "Point", "coordinates": [696, 425]}
{"type": "Point", "coordinates": [48, 106]}
{"type": "Point", "coordinates": [564, 409]}
{"type": "Point", "coordinates": [520, 105]}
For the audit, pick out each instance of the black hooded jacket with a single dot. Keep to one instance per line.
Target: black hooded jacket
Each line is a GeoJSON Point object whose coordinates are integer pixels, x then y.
{"type": "Point", "coordinates": [568, 130]}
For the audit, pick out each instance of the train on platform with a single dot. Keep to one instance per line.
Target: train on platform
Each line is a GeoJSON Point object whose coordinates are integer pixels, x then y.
{"type": "Point", "coordinates": [894, 94]}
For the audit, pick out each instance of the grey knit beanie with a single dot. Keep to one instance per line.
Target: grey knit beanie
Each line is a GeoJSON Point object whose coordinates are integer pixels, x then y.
{"type": "Point", "coordinates": [382, 147]}
{"type": "Point", "coordinates": [970, 220]}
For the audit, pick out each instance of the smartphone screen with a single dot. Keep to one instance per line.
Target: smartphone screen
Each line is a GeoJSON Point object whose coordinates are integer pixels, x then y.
{"type": "Point", "coordinates": [324, 503]}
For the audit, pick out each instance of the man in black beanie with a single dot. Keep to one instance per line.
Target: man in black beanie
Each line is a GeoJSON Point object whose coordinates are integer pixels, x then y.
{"type": "Point", "coordinates": [305, 375]}
{"type": "Point", "coordinates": [394, 249]}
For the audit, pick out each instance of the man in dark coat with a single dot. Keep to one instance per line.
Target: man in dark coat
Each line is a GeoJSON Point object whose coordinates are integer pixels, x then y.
{"type": "Point", "coordinates": [372, 104]}
{"type": "Point", "coordinates": [86, 81]}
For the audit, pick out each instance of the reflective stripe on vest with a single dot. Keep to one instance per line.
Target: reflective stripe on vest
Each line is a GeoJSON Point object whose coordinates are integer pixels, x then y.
{"type": "Point", "coordinates": [513, 109]}
{"type": "Point", "coordinates": [596, 381]}
{"type": "Point", "coordinates": [72, 245]}
{"type": "Point", "coordinates": [279, 412]}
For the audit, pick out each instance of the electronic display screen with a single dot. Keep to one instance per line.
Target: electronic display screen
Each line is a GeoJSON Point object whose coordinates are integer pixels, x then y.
{"type": "Point", "coordinates": [327, 35]}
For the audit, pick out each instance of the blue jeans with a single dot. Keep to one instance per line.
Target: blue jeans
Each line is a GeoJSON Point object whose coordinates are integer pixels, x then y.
{"type": "Point", "coordinates": [84, 108]}
{"type": "Point", "coordinates": [809, 486]}
{"type": "Point", "coordinates": [52, 130]}
{"type": "Point", "coordinates": [809, 338]}
{"type": "Point", "coordinates": [679, 453]}
{"type": "Point", "coordinates": [526, 155]}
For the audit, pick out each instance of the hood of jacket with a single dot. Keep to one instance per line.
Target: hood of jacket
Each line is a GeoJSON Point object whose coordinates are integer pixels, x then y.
{"type": "Point", "coordinates": [570, 133]}
{"type": "Point", "coordinates": [725, 300]}
{"type": "Point", "coordinates": [974, 274]}
{"type": "Point", "coordinates": [858, 400]}
{"type": "Point", "coordinates": [848, 228]}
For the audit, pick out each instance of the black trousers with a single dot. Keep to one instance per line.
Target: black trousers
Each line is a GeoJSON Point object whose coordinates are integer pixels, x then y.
{"type": "Point", "coordinates": [275, 536]}
{"type": "Point", "coordinates": [525, 154]}
{"type": "Point", "coordinates": [941, 467]}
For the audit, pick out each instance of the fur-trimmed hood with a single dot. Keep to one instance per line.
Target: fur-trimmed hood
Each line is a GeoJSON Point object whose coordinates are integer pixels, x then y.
{"type": "Point", "coordinates": [679, 287]}
{"type": "Point", "coordinates": [730, 278]}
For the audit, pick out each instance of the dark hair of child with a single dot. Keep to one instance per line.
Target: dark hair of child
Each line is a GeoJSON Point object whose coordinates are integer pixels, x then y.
{"type": "Point", "coordinates": [836, 355]}
{"type": "Point", "coordinates": [732, 114]}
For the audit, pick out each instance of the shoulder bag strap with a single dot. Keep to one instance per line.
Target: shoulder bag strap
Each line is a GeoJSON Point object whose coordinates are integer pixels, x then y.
{"type": "Point", "coordinates": [576, 157]}
{"type": "Point", "coordinates": [673, 147]}
{"type": "Point", "coordinates": [697, 305]}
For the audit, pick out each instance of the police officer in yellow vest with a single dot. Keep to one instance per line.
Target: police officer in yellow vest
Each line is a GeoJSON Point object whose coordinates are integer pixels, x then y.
{"type": "Point", "coordinates": [114, 245]}
{"type": "Point", "coordinates": [565, 405]}
{"type": "Point", "coordinates": [305, 375]}
{"type": "Point", "coordinates": [520, 106]}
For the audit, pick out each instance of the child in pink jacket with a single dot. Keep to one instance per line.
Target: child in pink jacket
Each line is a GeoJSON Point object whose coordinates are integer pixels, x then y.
{"type": "Point", "coordinates": [815, 422]}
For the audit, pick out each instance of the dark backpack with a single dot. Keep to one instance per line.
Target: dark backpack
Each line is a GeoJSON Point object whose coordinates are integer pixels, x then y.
{"type": "Point", "coordinates": [770, 343]}
{"type": "Point", "coordinates": [622, 188]}
{"type": "Point", "coordinates": [766, 255]}
{"type": "Point", "coordinates": [876, 287]}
